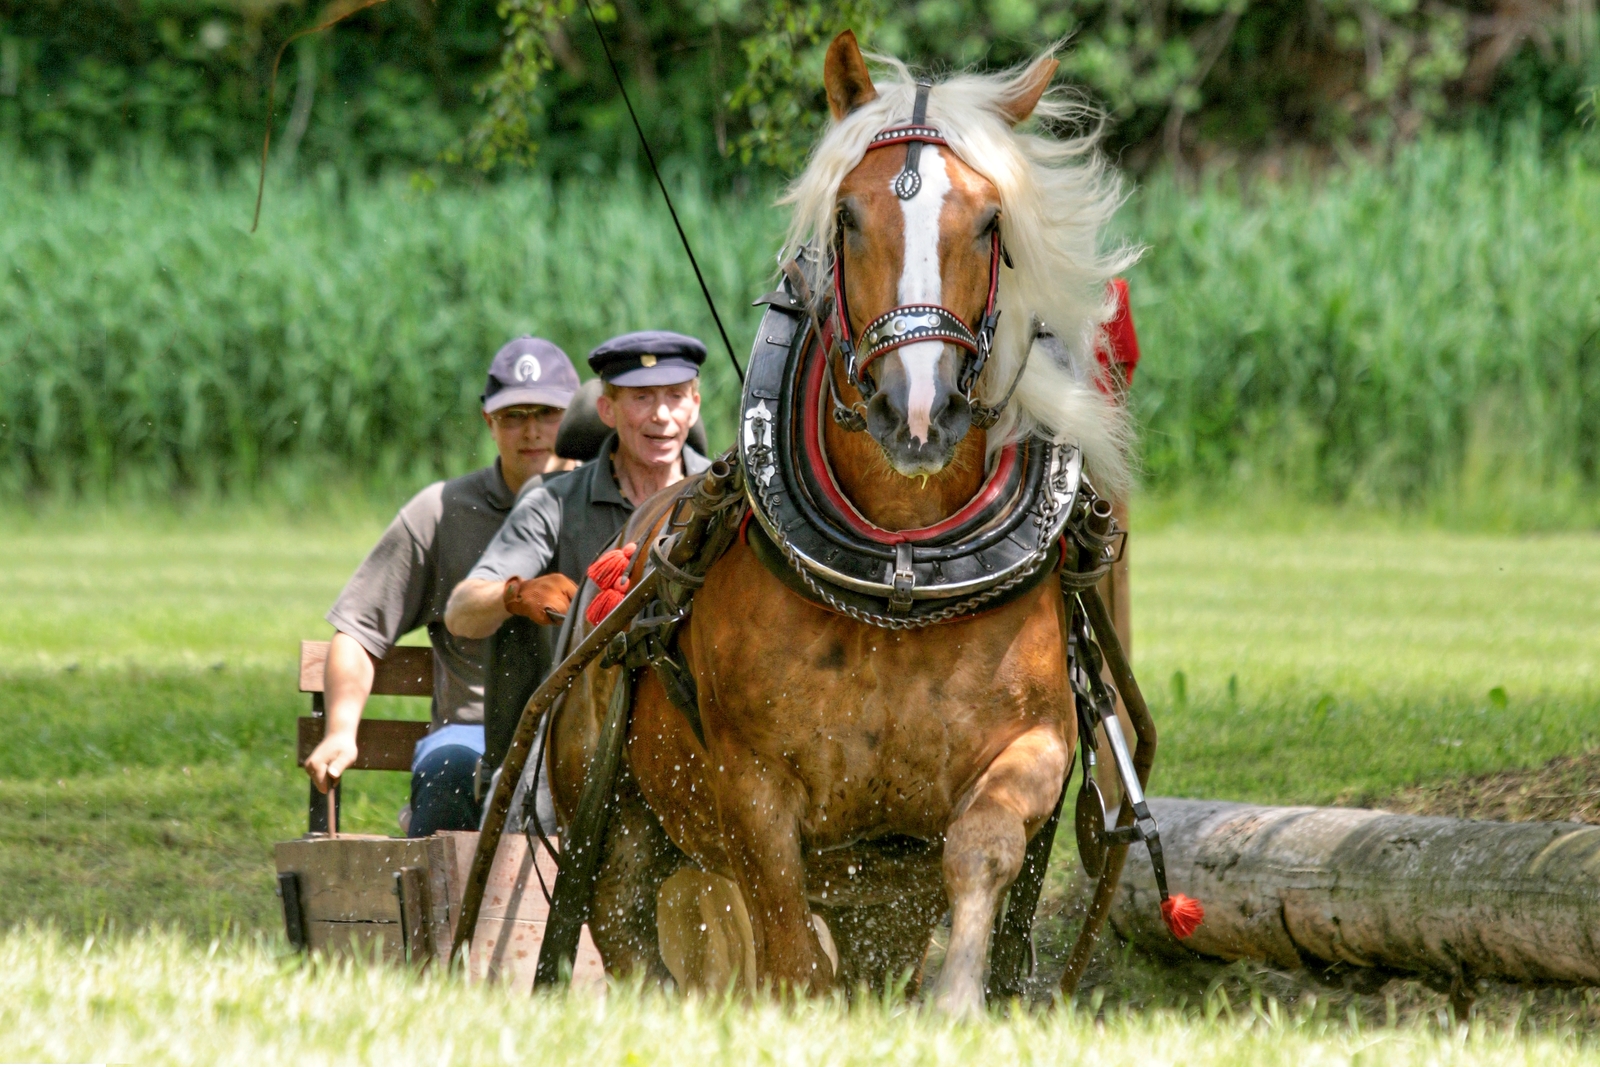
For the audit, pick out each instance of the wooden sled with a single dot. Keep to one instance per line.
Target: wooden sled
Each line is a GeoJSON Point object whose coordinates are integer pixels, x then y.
{"type": "Point", "coordinates": [396, 898]}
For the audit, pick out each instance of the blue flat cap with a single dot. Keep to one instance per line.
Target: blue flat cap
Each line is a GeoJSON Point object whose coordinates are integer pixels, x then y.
{"type": "Point", "coordinates": [530, 370]}
{"type": "Point", "coordinates": [649, 357]}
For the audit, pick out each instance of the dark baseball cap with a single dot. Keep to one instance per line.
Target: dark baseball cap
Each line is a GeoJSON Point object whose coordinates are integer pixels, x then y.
{"type": "Point", "coordinates": [649, 357]}
{"type": "Point", "coordinates": [529, 370]}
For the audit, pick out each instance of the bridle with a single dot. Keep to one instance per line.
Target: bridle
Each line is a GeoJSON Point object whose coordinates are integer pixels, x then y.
{"type": "Point", "coordinates": [911, 323]}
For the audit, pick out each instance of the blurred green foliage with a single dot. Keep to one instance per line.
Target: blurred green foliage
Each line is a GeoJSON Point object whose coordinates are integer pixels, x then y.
{"type": "Point", "coordinates": [724, 83]}
{"type": "Point", "coordinates": [1426, 330]}
{"type": "Point", "coordinates": [152, 345]}
{"type": "Point", "coordinates": [1422, 332]}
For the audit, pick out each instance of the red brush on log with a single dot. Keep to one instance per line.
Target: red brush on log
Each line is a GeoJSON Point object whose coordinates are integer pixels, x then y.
{"type": "Point", "coordinates": [1182, 915]}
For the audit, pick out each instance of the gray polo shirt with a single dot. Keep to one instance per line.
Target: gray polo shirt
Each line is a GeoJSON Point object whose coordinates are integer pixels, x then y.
{"type": "Point", "coordinates": [406, 580]}
{"type": "Point", "coordinates": [564, 524]}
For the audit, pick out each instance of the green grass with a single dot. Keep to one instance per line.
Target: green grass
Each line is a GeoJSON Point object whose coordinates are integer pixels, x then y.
{"type": "Point", "coordinates": [1323, 664]}
{"type": "Point", "coordinates": [1419, 334]}
{"type": "Point", "coordinates": [147, 698]}
{"type": "Point", "coordinates": [148, 694]}
{"type": "Point", "coordinates": [222, 590]}
{"type": "Point", "coordinates": [147, 684]}
{"type": "Point", "coordinates": [162, 1000]}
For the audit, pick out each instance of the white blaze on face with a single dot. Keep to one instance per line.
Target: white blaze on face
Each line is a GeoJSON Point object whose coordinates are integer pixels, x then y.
{"type": "Point", "coordinates": [920, 283]}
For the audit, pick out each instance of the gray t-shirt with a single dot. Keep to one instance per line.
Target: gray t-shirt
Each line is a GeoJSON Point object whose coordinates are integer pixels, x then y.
{"type": "Point", "coordinates": [564, 524]}
{"type": "Point", "coordinates": [406, 580]}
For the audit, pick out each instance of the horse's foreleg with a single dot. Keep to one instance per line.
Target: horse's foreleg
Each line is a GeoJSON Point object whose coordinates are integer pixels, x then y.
{"type": "Point", "coordinates": [760, 807]}
{"type": "Point", "coordinates": [983, 853]}
{"type": "Point", "coordinates": [638, 859]}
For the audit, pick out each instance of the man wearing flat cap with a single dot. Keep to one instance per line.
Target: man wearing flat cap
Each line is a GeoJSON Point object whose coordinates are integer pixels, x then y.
{"type": "Point", "coordinates": [533, 566]}
{"type": "Point", "coordinates": [405, 581]}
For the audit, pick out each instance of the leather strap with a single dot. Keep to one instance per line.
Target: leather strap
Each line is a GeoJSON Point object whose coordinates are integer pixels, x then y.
{"type": "Point", "coordinates": [909, 181]}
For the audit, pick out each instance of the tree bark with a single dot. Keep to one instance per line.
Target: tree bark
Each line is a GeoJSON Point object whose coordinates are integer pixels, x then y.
{"type": "Point", "coordinates": [1451, 899]}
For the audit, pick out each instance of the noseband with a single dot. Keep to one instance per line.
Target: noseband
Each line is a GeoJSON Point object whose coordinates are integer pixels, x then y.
{"type": "Point", "coordinates": [911, 323]}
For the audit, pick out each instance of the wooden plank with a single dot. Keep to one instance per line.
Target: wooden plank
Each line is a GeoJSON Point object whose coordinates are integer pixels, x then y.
{"type": "Point", "coordinates": [407, 671]}
{"type": "Point", "coordinates": [441, 887]}
{"type": "Point", "coordinates": [505, 945]}
{"type": "Point", "coordinates": [347, 891]}
{"type": "Point", "coordinates": [507, 950]}
{"type": "Point", "coordinates": [349, 878]}
{"type": "Point", "coordinates": [416, 933]}
{"type": "Point", "coordinates": [356, 938]}
{"type": "Point", "coordinates": [381, 744]}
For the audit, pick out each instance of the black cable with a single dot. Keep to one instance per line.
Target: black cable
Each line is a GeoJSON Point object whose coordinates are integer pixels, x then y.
{"type": "Point", "coordinates": [650, 156]}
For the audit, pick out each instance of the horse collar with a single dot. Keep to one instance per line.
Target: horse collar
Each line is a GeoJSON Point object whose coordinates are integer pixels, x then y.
{"type": "Point", "coordinates": [808, 534]}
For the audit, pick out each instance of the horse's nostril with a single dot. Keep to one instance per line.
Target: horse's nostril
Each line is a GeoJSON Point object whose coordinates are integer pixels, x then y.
{"type": "Point", "coordinates": [956, 419]}
{"type": "Point", "coordinates": [884, 420]}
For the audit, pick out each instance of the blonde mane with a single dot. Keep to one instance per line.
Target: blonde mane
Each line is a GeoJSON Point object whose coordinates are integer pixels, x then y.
{"type": "Point", "coordinates": [1056, 197]}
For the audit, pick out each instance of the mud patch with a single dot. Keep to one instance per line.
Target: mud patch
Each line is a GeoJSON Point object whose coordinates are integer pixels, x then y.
{"type": "Point", "coordinates": [1567, 789]}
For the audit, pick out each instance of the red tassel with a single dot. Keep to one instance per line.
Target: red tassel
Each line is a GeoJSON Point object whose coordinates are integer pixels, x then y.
{"type": "Point", "coordinates": [603, 603]}
{"type": "Point", "coordinates": [612, 564]}
{"type": "Point", "coordinates": [1120, 345]}
{"type": "Point", "coordinates": [1182, 915]}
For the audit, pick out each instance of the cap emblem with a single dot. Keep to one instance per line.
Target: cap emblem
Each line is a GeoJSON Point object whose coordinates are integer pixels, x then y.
{"type": "Point", "coordinates": [527, 368]}
{"type": "Point", "coordinates": [647, 361]}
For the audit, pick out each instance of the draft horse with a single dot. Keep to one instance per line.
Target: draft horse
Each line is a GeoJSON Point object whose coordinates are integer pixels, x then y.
{"type": "Point", "coordinates": [857, 740]}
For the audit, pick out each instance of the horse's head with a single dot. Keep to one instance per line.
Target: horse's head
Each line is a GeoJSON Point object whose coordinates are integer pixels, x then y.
{"type": "Point", "coordinates": [918, 253]}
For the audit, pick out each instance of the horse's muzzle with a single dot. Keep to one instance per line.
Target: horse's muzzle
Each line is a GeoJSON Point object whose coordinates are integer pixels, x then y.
{"type": "Point", "coordinates": [910, 453]}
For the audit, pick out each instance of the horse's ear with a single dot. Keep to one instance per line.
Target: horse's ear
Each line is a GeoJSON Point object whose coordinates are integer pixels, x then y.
{"type": "Point", "coordinates": [844, 75]}
{"type": "Point", "coordinates": [1030, 87]}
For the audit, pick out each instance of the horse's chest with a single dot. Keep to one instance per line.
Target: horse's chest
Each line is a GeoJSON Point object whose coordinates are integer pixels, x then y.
{"type": "Point", "coordinates": [891, 732]}
{"type": "Point", "coordinates": [878, 728]}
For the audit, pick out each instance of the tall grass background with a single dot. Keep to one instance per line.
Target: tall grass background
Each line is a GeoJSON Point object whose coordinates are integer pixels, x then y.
{"type": "Point", "coordinates": [152, 345]}
{"type": "Point", "coordinates": [1421, 333]}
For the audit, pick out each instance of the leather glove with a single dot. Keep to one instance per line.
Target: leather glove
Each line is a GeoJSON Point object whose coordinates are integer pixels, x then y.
{"type": "Point", "coordinates": [539, 598]}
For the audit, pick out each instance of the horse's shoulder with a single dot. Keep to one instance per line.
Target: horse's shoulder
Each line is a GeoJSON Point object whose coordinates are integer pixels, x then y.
{"type": "Point", "coordinates": [644, 525]}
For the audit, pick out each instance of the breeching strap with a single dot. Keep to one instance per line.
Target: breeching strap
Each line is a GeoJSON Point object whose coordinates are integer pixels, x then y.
{"type": "Point", "coordinates": [580, 859]}
{"type": "Point", "coordinates": [1144, 755]}
{"type": "Point", "coordinates": [560, 679]}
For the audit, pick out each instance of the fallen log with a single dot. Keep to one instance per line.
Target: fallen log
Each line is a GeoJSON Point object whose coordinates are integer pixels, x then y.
{"type": "Point", "coordinates": [1450, 900]}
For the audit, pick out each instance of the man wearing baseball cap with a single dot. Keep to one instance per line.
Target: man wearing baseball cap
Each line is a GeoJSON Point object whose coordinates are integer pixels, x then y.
{"type": "Point", "coordinates": [533, 566]}
{"type": "Point", "coordinates": [405, 580]}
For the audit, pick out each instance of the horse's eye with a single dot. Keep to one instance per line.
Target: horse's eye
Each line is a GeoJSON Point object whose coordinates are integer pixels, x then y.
{"type": "Point", "coordinates": [847, 218]}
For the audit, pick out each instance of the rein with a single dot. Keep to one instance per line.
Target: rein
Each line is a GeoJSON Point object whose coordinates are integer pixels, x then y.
{"type": "Point", "coordinates": [910, 323]}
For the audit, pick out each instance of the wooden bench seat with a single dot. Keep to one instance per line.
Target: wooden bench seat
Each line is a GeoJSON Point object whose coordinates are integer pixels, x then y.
{"type": "Point", "coordinates": [382, 744]}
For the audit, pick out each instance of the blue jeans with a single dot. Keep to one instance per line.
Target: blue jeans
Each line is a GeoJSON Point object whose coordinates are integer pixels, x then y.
{"type": "Point", "coordinates": [442, 771]}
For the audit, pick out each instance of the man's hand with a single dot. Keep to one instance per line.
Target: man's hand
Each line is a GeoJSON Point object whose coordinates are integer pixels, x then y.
{"type": "Point", "coordinates": [346, 684]}
{"type": "Point", "coordinates": [539, 598]}
{"type": "Point", "coordinates": [330, 759]}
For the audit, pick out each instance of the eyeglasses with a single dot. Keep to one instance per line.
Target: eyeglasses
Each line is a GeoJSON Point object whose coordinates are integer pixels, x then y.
{"type": "Point", "coordinates": [517, 418]}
